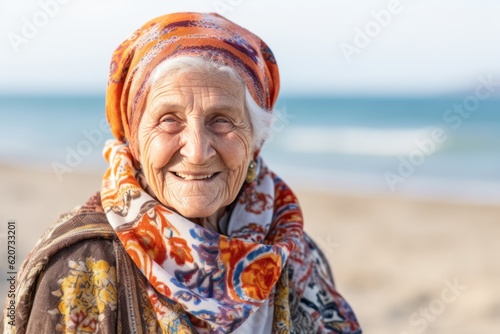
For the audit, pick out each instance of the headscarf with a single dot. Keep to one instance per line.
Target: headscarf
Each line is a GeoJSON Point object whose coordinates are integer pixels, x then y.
{"type": "Point", "coordinates": [205, 35]}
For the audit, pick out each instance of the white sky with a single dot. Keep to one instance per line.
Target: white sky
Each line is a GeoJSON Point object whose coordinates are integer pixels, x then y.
{"type": "Point", "coordinates": [429, 47]}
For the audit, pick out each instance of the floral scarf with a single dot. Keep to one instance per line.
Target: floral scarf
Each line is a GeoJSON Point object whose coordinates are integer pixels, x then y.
{"type": "Point", "coordinates": [221, 280]}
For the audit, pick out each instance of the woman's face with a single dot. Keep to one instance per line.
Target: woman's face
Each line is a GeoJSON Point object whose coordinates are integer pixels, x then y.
{"type": "Point", "coordinates": [195, 141]}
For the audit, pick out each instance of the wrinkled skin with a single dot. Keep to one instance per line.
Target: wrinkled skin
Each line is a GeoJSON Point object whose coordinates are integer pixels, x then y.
{"type": "Point", "coordinates": [195, 142]}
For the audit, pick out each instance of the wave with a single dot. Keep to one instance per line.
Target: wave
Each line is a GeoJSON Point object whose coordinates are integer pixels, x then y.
{"type": "Point", "coordinates": [353, 140]}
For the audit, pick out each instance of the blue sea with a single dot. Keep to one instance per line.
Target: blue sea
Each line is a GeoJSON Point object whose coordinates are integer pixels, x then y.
{"type": "Point", "coordinates": [435, 147]}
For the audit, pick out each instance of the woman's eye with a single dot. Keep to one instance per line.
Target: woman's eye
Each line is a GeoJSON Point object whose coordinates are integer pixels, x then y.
{"type": "Point", "coordinates": [221, 120]}
{"type": "Point", "coordinates": [171, 124]}
{"type": "Point", "coordinates": [221, 125]}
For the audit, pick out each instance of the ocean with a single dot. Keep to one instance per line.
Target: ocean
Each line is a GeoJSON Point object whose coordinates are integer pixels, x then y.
{"type": "Point", "coordinates": [443, 148]}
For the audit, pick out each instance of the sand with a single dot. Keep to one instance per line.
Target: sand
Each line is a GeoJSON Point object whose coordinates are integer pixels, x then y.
{"type": "Point", "coordinates": [393, 259]}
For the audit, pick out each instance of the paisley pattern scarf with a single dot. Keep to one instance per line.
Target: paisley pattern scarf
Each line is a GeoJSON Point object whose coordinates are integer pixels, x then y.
{"type": "Point", "coordinates": [221, 280]}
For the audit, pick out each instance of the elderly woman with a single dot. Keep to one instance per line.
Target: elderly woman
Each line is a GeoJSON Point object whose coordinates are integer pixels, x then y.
{"type": "Point", "coordinates": [191, 232]}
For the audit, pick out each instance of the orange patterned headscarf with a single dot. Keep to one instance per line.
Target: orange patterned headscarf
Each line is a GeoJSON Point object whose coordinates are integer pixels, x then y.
{"type": "Point", "coordinates": [205, 35]}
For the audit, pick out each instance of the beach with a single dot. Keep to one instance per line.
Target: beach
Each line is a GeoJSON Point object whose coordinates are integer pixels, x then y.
{"type": "Point", "coordinates": [406, 266]}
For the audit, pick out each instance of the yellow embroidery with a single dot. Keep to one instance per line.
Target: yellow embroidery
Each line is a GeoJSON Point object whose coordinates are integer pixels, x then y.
{"type": "Point", "coordinates": [84, 295]}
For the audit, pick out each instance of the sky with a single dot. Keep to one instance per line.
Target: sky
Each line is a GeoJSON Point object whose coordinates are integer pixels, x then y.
{"type": "Point", "coordinates": [329, 47]}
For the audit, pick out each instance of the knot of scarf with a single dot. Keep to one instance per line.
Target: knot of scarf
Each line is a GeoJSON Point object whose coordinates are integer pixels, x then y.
{"type": "Point", "coordinates": [219, 279]}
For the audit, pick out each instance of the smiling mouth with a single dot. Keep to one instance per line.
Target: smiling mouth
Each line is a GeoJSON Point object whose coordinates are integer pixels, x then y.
{"type": "Point", "coordinates": [191, 177]}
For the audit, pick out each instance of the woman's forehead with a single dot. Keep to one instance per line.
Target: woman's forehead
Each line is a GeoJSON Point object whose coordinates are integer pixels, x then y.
{"type": "Point", "coordinates": [193, 84]}
{"type": "Point", "coordinates": [215, 91]}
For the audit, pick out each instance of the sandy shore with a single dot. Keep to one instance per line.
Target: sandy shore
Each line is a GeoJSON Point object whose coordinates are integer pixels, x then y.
{"type": "Point", "coordinates": [394, 259]}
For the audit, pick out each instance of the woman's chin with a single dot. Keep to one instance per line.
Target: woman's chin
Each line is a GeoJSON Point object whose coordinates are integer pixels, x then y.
{"type": "Point", "coordinates": [196, 199]}
{"type": "Point", "coordinates": [197, 208]}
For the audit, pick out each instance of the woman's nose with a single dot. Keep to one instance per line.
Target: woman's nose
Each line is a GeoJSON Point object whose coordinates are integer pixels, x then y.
{"type": "Point", "coordinates": [197, 147]}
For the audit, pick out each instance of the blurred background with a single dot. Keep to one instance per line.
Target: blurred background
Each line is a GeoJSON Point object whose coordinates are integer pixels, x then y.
{"type": "Point", "coordinates": [388, 128]}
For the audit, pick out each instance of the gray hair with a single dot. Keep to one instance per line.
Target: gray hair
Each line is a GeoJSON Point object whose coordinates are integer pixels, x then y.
{"type": "Point", "coordinates": [261, 120]}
